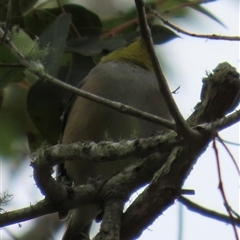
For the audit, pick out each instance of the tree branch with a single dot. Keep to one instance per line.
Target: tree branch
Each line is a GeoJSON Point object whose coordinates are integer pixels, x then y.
{"type": "Point", "coordinates": [109, 151]}
{"type": "Point", "coordinates": [165, 186]}
{"type": "Point", "coordinates": [33, 211]}
{"type": "Point", "coordinates": [181, 126]}
{"type": "Point", "coordinates": [208, 36]}
{"type": "Point", "coordinates": [207, 212]}
{"type": "Point", "coordinates": [127, 181]}
{"type": "Point", "coordinates": [222, 190]}
{"type": "Point", "coordinates": [112, 218]}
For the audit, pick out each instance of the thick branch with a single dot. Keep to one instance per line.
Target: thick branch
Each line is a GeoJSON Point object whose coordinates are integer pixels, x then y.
{"type": "Point", "coordinates": [220, 95]}
{"type": "Point", "coordinates": [225, 122]}
{"type": "Point", "coordinates": [112, 218]}
{"type": "Point", "coordinates": [167, 182]}
{"type": "Point", "coordinates": [163, 189]}
{"type": "Point", "coordinates": [110, 151]}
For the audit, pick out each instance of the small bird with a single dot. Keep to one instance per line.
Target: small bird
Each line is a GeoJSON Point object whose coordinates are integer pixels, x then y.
{"type": "Point", "coordinates": [126, 76]}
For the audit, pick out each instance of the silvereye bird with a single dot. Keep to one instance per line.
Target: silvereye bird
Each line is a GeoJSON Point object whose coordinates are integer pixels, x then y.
{"type": "Point", "coordinates": [126, 76]}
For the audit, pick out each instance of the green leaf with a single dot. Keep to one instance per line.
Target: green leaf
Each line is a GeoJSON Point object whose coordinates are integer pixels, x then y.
{"type": "Point", "coordinates": [181, 8]}
{"type": "Point", "coordinates": [18, 7]}
{"type": "Point", "coordinates": [45, 107]}
{"type": "Point", "coordinates": [9, 74]}
{"type": "Point", "coordinates": [86, 22]}
{"type": "Point", "coordinates": [52, 4]}
{"type": "Point", "coordinates": [15, 7]}
{"type": "Point", "coordinates": [161, 34]}
{"type": "Point", "coordinates": [54, 38]}
{"type": "Point", "coordinates": [1, 97]}
{"type": "Point", "coordinates": [113, 44]}
{"type": "Point", "coordinates": [178, 5]}
{"type": "Point", "coordinates": [46, 101]}
{"type": "Point", "coordinates": [84, 46]}
{"type": "Point", "coordinates": [94, 46]}
{"type": "Point", "coordinates": [34, 137]}
{"type": "Point", "coordinates": [207, 13]}
{"type": "Point", "coordinates": [111, 23]}
{"type": "Point", "coordinates": [26, 5]}
{"type": "Point", "coordinates": [25, 45]}
{"type": "Point", "coordinates": [80, 67]}
{"type": "Point", "coordinates": [12, 122]}
{"type": "Point", "coordinates": [37, 20]}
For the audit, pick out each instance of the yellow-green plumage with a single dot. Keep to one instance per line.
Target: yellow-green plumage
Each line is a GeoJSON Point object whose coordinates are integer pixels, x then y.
{"type": "Point", "coordinates": [124, 76]}
{"type": "Point", "coordinates": [135, 53]}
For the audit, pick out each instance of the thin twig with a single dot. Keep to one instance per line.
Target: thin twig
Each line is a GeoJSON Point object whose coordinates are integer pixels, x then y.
{"type": "Point", "coordinates": [125, 109]}
{"type": "Point", "coordinates": [230, 143]}
{"type": "Point", "coordinates": [181, 125]}
{"type": "Point", "coordinates": [228, 151]}
{"type": "Point", "coordinates": [125, 25]}
{"type": "Point", "coordinates": [222, 191]}
{"type": "Point", "coordinates": [211, 36]}
{"type": "Point", "coordinates": [206, 212]}
{"type": "Point", "coordinates": [14, 65]}
{"type": "Point", "coordinates": [185, 4]}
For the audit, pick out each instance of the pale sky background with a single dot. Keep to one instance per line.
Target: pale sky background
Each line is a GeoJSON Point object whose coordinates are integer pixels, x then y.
{"type": "Point", "coordinates": [188, 60]}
